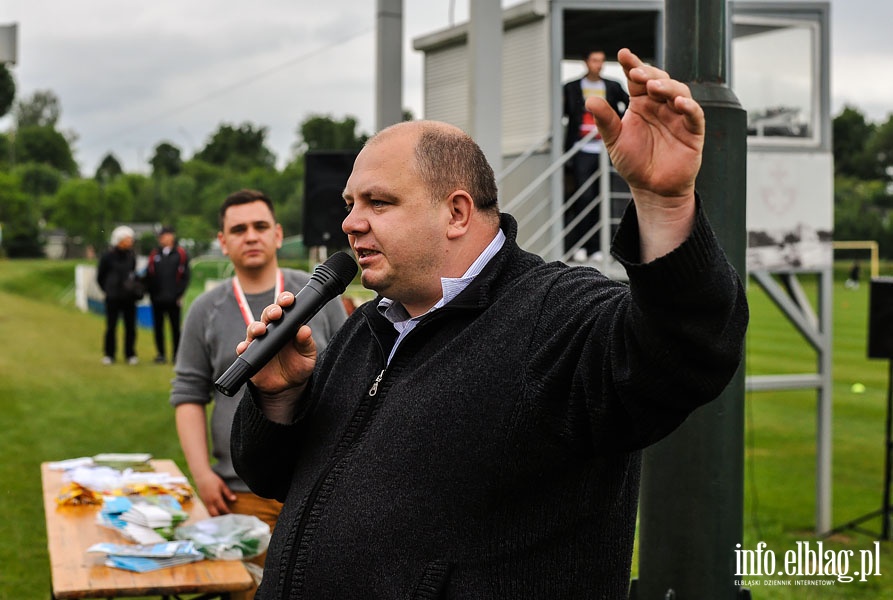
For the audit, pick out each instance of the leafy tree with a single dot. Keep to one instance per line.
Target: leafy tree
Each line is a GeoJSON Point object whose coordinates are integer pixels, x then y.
{"type": "Point", "coordinates": [42, 109]}
{"type": "Point", "coordinates": [166, 198]}
{"type": "Point", "coordinates": [213, 194]}
{"type": "Point", "coordinates": [7, 90]}
{"type": "Point", "coordinates": [182, 191]}
{"type": "Point", "coordinates": [204, 173]}
{"type": "Point", "coordinates": [6, 150]}
{"type": "Point", "coordinates": [79, 208]}
{"type": "Point", "coordinates": [135, 183]}
{"type": "Point", "coordinates": [851, 136]}
{"type": "Point", "coordinates": [108, 169]}
{"type": "Point", "coordinates": [37, 179]}
{"type": "Point", "coordinates": [166, 160]}
{"type": "Point", "coordinates": [43, 144]}
{"type": "Point", "coordinates": [287, 191]}
{"type": "Point", "coordinates": [20, 219]}
{"type": "Point", "coordinates": [238, 148]}
{"type": "Point", "coordinates": [118, 202]}
{"type": "Point", "coordinates": [212, 184]}
{"type": "Point", "coordinates": [880, 149]}
{"type": "Point", "coordinates": [198, 231]}
{"type": "Point", "coordinates": [861, 212]}
{"type": "Point", "coordinates": [38, 183]}
{"type": "Point", "coordinates": [323, 132]}
{"type": "Point", "coordinates": [145, 243]}
{"type": "Point", "coordinates": [146, 202]}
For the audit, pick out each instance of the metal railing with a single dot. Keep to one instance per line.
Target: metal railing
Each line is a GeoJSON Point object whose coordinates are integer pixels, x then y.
{"type": "Point", "coordinates": [527, 207]}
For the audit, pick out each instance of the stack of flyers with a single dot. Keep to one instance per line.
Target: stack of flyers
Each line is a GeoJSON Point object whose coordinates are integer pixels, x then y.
{"type": "Point", "coordinates": [122, 461]}
{"type": "Point", "coordinates": [143, 558]}
{"type": "Point", "coordinates": [145, 520]}
{"type": "Point", "coordinates": [154, 516]}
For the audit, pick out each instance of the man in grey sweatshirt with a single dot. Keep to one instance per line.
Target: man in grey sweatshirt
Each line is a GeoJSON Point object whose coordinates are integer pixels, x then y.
{"type": "Point", "coordinates": [250, 236]}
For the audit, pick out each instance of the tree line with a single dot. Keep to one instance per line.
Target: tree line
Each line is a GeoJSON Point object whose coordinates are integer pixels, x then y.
{"type": "Point", "coordinates": [863, 179]}
{"type": "Point", "coordinates": [42, 190]}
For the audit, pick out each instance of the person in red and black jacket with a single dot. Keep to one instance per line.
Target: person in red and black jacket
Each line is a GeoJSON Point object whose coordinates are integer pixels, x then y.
{"type": "Point", "coordinates": [167, 277]}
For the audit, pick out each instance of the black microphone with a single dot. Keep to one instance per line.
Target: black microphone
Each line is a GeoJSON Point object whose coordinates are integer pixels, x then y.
{"type": "Point", "coordinates": [327, 281]}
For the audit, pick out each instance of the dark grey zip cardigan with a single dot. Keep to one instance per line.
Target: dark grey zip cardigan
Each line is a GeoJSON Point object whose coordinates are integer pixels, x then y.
{"type": "Point", "coordinates": [497, 456]}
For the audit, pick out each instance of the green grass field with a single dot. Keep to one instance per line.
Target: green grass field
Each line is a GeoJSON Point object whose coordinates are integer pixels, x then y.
{"type": "Point", "coordinates": [781, 437]}
{"type": "Point", "coordinates": [57, 401]}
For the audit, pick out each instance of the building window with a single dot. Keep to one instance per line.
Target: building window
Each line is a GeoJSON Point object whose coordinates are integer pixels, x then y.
{"type": "Point", "coordinates": [775, 76]}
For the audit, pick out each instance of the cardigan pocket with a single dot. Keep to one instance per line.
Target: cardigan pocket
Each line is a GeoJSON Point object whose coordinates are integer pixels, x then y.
{"type": "Point", "coordinates": [434, 581]}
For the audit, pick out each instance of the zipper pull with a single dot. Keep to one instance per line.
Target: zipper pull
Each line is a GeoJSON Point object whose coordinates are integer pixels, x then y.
{"type": "Point", "coordinates": [374, 389]}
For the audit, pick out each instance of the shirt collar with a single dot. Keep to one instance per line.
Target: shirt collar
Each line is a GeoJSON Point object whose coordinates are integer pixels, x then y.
{"type": "Point", "coordinates": [450, 286]}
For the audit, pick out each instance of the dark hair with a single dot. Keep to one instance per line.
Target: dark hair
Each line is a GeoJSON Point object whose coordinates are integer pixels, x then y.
{"type": "Point", "coordinates": [245, 196]}
{"type": "Point", "coordinates": [449, 159]}
{"type": "Point", "coordinates": [592, 50]}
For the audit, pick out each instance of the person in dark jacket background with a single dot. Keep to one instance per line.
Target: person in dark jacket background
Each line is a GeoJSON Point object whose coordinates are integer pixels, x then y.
{"type": "Point", "coordinates": [475, 430]}
{"type": "Point", "coordinates": [116, 275]}
{"type": "Point", "coordinates": [586, 161]}
{"type": "Point", "coordinates": [167, 277]}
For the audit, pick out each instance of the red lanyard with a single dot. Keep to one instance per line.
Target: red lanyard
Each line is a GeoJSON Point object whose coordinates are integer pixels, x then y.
{"type": "Point", "coordinates": [243, 302]}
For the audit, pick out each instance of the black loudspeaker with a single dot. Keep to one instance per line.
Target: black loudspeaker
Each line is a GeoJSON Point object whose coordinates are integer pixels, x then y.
{"type": "Point", "coordinates": [880, 318]}
{"type": "Point", "coordinates": [325, 175]}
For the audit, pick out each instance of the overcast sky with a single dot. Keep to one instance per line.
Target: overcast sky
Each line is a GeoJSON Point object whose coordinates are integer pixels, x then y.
{"type": "Point", "coordinates": [130, 74]}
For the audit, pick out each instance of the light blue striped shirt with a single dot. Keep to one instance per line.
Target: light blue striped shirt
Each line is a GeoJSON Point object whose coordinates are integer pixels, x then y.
{"type": "Point", "coordinates": [451, 286]}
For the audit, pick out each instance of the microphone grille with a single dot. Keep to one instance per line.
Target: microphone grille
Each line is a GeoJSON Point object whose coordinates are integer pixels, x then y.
{"type": "Point", "coordinates": [341, 266]}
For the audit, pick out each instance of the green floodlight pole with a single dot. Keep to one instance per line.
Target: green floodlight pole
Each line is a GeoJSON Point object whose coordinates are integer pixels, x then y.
{"type": "Point", "coordinates": [692, 495]}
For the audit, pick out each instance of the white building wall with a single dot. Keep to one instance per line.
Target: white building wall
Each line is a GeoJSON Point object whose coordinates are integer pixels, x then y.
{"type": "Point", "coordinates": [526, 117]}
{"type": "Point", "coordinates": [446, 85]}
{"type": "Point", "coordinates": [525, 86]}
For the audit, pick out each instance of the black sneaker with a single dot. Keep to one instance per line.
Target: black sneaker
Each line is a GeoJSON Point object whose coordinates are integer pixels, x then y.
{"type": "Point", "coordinates": [159, 360]}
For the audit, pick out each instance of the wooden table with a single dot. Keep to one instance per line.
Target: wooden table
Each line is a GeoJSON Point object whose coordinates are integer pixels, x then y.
{"type": "Point", "coordinates": [77, 574]}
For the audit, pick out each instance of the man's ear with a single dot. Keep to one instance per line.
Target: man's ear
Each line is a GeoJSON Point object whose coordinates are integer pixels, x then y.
{"type": "Point", "coordinates": [461, 207]}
